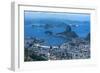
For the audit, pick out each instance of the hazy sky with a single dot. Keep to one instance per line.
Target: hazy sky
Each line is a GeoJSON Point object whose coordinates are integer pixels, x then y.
{"type": "Point", "coordinates": [44, 17]}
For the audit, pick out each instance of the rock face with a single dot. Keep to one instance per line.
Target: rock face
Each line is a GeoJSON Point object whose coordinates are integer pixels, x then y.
{"type": "Point", "coordinates": [88, 37]}
{"type": "Point", "coordinates": [71, 34]}
{"type": "Point", "coordinates": [68, 28]}
{"type": "Point", "coordinates": [68, 33]}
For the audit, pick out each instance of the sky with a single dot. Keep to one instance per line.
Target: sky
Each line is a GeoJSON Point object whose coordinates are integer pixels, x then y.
{"type": "Point", "coordinates": [52, 17]}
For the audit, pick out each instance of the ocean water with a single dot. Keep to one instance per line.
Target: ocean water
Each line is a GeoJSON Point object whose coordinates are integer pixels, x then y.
{"type": "Point", "coordinates": [34, 26]}
{"type": "Point", "coordinates": [39, 33]}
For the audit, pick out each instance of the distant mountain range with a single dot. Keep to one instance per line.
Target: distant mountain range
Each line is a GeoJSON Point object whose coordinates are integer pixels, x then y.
{"type": "Point", "coordinates": [41, 22]}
